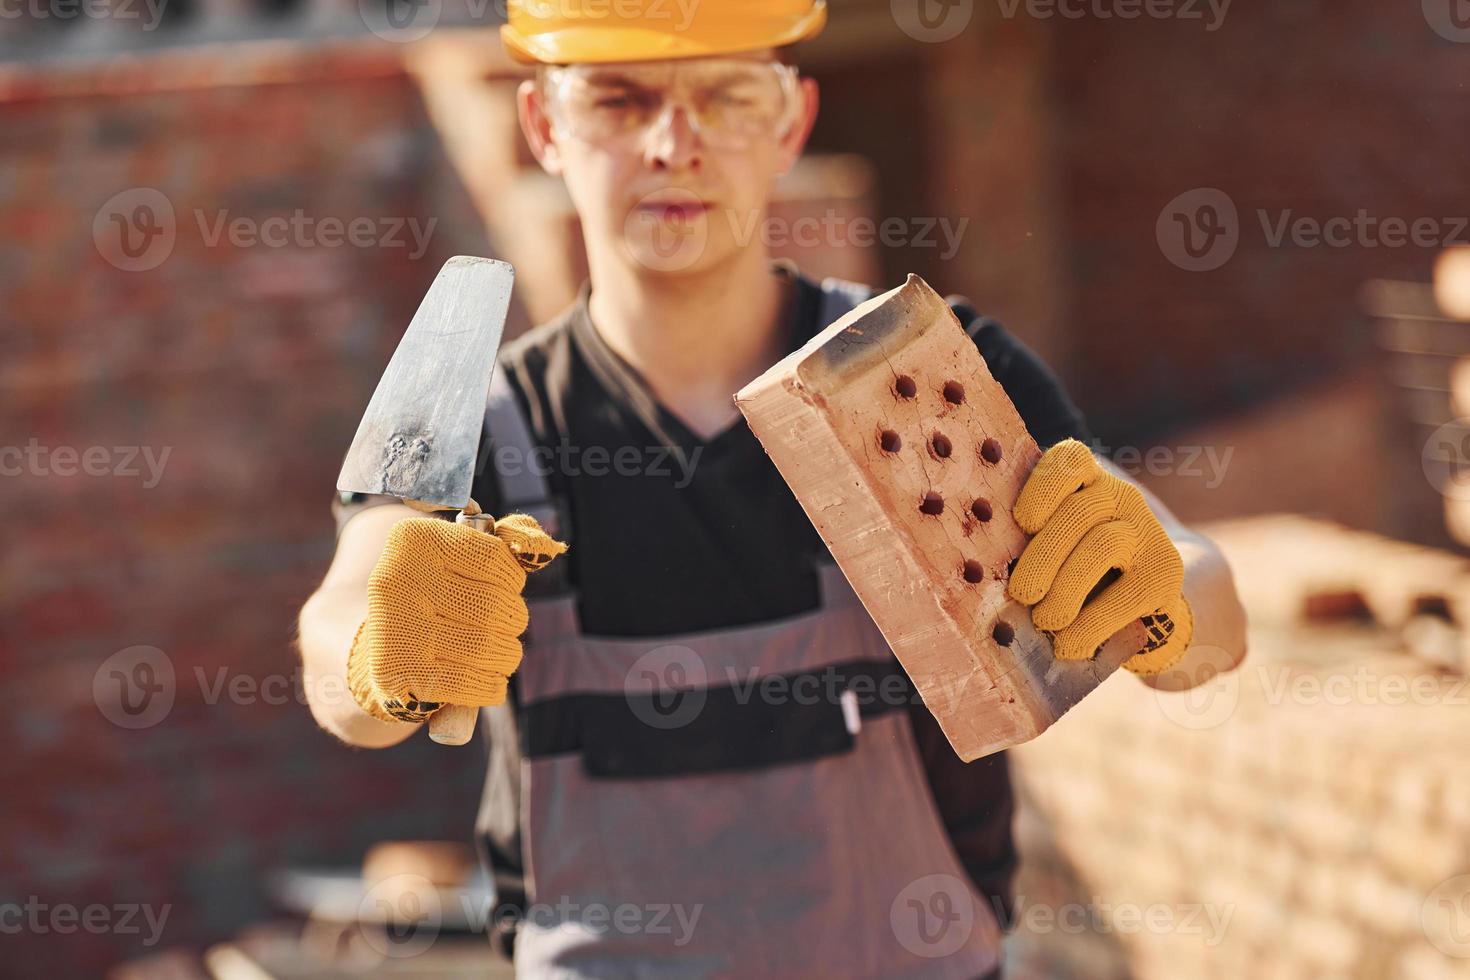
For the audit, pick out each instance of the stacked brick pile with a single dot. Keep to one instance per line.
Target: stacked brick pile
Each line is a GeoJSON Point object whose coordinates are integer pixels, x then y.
{"type": "Point", "coordinates": [1306, 816]}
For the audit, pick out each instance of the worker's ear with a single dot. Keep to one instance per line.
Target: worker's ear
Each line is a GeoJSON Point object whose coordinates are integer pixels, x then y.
{"type": "Point", "coordinates": [794, 140]}
{"type": "Point", "coordinates": [536, 125]}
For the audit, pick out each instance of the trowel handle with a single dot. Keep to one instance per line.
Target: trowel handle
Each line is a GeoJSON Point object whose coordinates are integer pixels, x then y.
{"type": "Point", "coordinates": [478, 521]}
{"type": "Point", "coordinates": [453, 724]}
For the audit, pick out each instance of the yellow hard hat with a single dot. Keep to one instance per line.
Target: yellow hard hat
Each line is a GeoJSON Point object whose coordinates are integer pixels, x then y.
{"type": "Point", "coordinates": [567, 32]}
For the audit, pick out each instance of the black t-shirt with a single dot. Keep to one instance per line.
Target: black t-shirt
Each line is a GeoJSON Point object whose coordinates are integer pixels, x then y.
{"type": "Point", "coordinates": [673, 534]}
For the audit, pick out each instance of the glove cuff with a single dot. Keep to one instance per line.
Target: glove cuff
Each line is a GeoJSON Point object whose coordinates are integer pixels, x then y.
{"type": "Point", "coordinates": [1170, 629]}
{"type": "Point", "coordinates": [365, 692]}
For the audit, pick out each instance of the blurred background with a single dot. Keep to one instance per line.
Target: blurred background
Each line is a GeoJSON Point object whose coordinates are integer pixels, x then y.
{"type": "Point", "coordinates": [1239, 234]}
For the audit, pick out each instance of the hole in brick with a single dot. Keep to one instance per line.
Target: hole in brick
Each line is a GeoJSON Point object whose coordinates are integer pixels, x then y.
{"type": "Point", "coordinates": [941, 445]}
{"type": "Point", "coordinates": [889, 441]}
{"type": "Point", "coordinates": [905, 386]}
{"type": "Point", "coordinates": [954, 392]}
{"type": "Point", "coordinates": [990, 451]}
{"type": "Point", "coordinates": [1003, 633]}
{"type": "Point", "coordinates": [974, 571]}
{"type": "Point", "coordinates": [932, 504]}
{"type": "Point", "coordinates": [982, 510]}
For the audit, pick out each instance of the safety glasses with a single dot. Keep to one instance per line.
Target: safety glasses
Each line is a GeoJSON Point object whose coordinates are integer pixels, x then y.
{"type": "Point", "coordinates": [728, 101]}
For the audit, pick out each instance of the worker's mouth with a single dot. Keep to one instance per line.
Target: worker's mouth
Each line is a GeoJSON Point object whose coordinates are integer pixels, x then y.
{"type": "Point", "coordinates": [675, 211]}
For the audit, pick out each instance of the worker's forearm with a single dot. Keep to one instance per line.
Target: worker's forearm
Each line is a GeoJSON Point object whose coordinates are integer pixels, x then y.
{"type": "Point", "coordinates": [1218, 643]}
{"type": "Point", "coordinates": [329, 621]}
{"type": "Point", "coordinates": [1219, 640]}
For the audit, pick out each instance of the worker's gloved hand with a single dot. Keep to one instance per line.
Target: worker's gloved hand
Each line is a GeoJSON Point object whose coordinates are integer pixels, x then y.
{"type": "Point", "coordinates": [445, 616]}
{"type": "Point", "coordinates": [1086, 522]}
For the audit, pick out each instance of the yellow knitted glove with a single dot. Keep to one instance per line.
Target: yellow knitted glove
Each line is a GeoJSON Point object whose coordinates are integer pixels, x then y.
{"type": "Point", "coordinates": [1087, 522]}
{"type": "Point", "coordinates": [445, 616]}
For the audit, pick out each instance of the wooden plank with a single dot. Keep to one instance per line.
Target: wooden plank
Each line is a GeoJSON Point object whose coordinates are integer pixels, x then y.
{"type": "Point", "coordinates": [1293, 569]}
{"type": "Point", "coordinates": [1459, 386]}
{"type": "Point", "coordinates": [1452, 282]}
{"type": "Point", "coordinates": [907, 456]}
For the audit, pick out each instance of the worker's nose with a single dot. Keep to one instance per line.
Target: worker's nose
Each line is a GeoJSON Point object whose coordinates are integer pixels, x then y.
{"type": "Point", "coordinates": [672, 142]}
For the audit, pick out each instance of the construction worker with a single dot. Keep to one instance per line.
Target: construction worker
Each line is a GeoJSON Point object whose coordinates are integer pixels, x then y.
{"type": "Point", "coordinates": [735, 828]}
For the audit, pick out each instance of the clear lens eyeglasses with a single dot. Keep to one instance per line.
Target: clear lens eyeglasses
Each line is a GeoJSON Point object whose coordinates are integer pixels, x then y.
{"type": "Point", "coordinates": [728, 101]}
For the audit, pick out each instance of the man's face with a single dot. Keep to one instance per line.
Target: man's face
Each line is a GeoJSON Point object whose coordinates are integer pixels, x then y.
{"type": "Point", "coordinates": [670, 164]}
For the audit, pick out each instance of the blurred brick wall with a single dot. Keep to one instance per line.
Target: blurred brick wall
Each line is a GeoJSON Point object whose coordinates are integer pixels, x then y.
{"type": "Point", "coordinates": [1314, 107]}
{"type": "Point", "coordinates": [1334, 449]}
{"type": "Point", "coordinates": [250, 367]}
{"type": "Point", "coordinates": [1061, 141]}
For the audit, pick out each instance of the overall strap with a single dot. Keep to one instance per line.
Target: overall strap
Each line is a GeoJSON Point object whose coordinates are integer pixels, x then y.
{"type": "Point", "coordinates": [523, 485]}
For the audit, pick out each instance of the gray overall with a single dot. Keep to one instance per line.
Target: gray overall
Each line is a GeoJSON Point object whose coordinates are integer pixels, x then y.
{"type": "Point", "coordinates": [736, 803]}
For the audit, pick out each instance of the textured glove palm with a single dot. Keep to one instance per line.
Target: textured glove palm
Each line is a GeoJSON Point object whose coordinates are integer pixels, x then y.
{"type": "Point", "coordinates": [1086, 521]}
{"type": "Point", "coordinates": [445, 616]}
